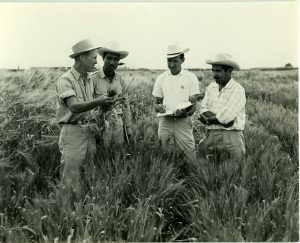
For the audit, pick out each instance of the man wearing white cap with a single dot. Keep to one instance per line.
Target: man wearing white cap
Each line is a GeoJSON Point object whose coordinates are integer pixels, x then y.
{"type": "Point", "coordinates": [171, 89]}
{"type": "Point", "coordinates": [223, 111]}
{"type": "Point", "coordinates": [114, 121]}
{"type": "Point", "coordinates": [75, 103]}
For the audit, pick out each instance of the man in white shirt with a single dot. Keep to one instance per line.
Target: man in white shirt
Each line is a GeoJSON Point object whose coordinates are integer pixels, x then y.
{"type": "Point", "coordinates": [223, 112]}
{"type": "Point", "coordinates": [172, 88]}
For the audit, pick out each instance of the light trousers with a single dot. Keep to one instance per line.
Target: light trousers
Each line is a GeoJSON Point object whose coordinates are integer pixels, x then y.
{"type": "Point", "coordinates": [223, 145]}
{"type": "Point", "coordinates": [77, 147]}
{"type": "Point", "coordinates": [176, 135]}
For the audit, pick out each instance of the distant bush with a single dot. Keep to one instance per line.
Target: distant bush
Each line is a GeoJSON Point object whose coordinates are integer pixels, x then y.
{"type": "Point", "coordinates": [288, 65]}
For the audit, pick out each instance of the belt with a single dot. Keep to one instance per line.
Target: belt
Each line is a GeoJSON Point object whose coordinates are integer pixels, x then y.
{"type": "Point", "coordinates": [223, 130]}
{"type": "Point", "coordinates": [74, 123]}
{"type": "Point", "coordinates": [176, 118]}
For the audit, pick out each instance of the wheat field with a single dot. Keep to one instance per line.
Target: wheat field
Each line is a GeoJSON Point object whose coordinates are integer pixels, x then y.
{"type": "Point", "coordinates": [138, 194]}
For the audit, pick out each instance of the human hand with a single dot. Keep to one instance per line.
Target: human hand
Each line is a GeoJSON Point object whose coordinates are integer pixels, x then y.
{"type": "Point", "coordinates": [181, 113]}
{"type": "Point", "coordinates": [160, 108]}
{"type": "Point", "coordinates": [106, 102]}
{"type": "Point", "coordinates": [208, 114]}
{"type": "Point", "coordinates": [190, 110]}
{"type": "Point", "coordinates": [203, 119]}
{"type": "Point", "coordinates": [229, 124]}
{"type": "Point", "coordinates": [111, 93]}
{"type": "Point", "coordinates": [119, 99]}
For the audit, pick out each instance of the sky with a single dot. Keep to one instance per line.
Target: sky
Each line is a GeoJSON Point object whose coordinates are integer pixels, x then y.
{"type": "Point", "coordinates": [256, 34]}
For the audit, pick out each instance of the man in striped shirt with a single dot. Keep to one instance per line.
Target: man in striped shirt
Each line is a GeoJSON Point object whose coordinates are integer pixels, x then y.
{"type": "Point", "coordinates": [223, 112]}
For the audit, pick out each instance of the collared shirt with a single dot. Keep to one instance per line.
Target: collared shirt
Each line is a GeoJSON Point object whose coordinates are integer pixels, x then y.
{"type": "Point", "coordinates": [175, 89]}
{"type": "Point", "coordinates": [72, 83]}
{"type": "Point", "coordinates": [228, 104]}
{"type": "Point", "coordinates": [118, 84]}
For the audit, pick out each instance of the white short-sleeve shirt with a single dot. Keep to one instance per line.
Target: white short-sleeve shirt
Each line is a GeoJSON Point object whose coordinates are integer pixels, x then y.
{"type": "Point", "coordinates": [175, 89]}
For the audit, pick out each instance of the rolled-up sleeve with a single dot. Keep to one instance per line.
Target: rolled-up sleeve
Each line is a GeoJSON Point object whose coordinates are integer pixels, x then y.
{"type": "Point", "coordinates": [157, 90]}
{"type": "Point", "coordinates": [64, 89]}
{"type": "Point", "coordinates": [233, 106]}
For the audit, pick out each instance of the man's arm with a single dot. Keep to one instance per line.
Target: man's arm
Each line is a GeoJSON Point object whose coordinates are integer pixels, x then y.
{"type": "Point", "coordinates": [158, 106]}
{"type": "Point", "coordinates": [209, 118]}
{"type": "Point", "coordinates": [67, 96]}
{"type": "Point", "coordinates": [188, 111]}
{"type": "Point", "coordinates": [229, 111]}
{"type": "Point", "coordinates": [194, 93]}
{"type": "Point", "coordinates": [83, 106]}
{"type": "Point", "coordinates": [234, 105]}
{"type": "Point", "coordinates": [158, 94]}
{"type": "Point", "coordinates": [193, 100]}
{"type": "Point", "coordinates": [213, 120]}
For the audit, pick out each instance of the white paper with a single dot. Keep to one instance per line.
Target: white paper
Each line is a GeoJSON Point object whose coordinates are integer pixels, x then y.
{"type": "Point", "coordinates": [180, 106]}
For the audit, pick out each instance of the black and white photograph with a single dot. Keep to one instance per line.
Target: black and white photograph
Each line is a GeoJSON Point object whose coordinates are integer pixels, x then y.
{"type": "Point", "coordinates": [149, 121]}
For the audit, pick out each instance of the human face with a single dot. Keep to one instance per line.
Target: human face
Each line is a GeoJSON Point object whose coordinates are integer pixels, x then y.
{"type": "Point", "coordinates": [111, 61]}
{"type": "Point", "coordinates": [174, 64]}
{"type": "Point", "coordinates": [89, 60]}
{"type": "Point", "coordinates": [221, 76]}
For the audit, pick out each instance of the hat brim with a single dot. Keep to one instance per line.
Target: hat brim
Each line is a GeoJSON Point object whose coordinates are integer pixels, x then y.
{"type": "Point", "coordinates": [78, 53]}
{"type": "Point", "coordinates": [178, 53]}
{"type": "Point", "coordinates": [103, 50]}
{"type": "Point", "coordinates": [232, 64]}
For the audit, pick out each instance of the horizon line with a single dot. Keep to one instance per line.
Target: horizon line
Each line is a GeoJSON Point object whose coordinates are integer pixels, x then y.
{"type": "Point", "coordinates": [144, 68]}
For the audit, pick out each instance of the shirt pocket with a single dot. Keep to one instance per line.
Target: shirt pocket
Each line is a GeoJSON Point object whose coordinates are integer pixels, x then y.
{"type": "Point", "coordinates": [116, 87]}
{"type": "Point", "coordinates": [184, 93]}
{"type": "Point", "coordinates": [79, 95]}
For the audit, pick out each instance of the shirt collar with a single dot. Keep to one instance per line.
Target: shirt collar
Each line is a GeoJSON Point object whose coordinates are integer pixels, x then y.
{"type": "Point", "coordinates": [179, 74]}
{"type": "Point", "coordinates": [78, 76]}
{"type": "Point", "coordinates": [75, 73]}
{"type": "Point", "coordinates": [102, 74]}
{"type": "Point", "coordinates": [227, 86]}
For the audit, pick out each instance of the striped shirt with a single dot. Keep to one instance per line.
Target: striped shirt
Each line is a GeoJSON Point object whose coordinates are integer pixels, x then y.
{"type": "Point", "coordinates": [72, 83]}
{"type": "Point", "coordinates": [228, 105]}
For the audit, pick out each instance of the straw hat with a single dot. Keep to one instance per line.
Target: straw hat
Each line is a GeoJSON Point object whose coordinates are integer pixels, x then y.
{"type": "Point", "coordinates": [81, 47]}
{"type": "Point", "coordinates": [113, 47]}
{"type": "Point", "coordinates": [175, 50]}
{"type": "Point", "coordinates": [224, 59]}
